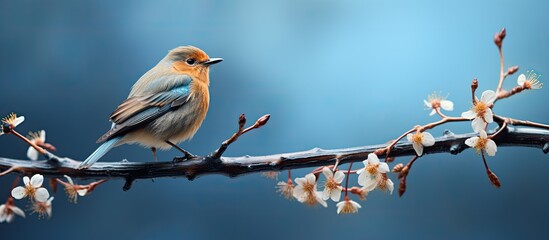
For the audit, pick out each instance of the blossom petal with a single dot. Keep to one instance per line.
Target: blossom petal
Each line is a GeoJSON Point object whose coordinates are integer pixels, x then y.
{"type": "Point", "coordinates": [483, 134]}
{"type": "Point", "coordinates": [9, 218]}
{"type": "Point", "coordinates": [37, 180]}
{"type": "Point", "coordinates": [390, 186]}
{"type": "Point", "coordinates": [447, 105]}
{"type": "Point", "coordinates": [19, 192]}
{"type": "Point", "coordinates": [362, 178]}
{"type": "Point", "coordinates": [17, 211]}
{"type": "Point", "coordinates": [373, 159]}
{"type": "Point", "coordinates": [18, 121]}
{"type": "Point", "coordinates": [82, 192]}
{"type": "Point", "coordinates": [488, 115]}
{"type": "Point", "coordinates": [478, 124]}
{"type": "Point", "coordinates": [383, 168]}
{"type": "Point", "coordinates": [491, 147]}
{"type": "Point", "coordinates": [300, 181]}
{"type": "Point", "coordinates": [32, 154]}
{"type": "Point", "coordinates": [41, 195]}
{"type": "Point", "coordinates": [418, 148]}
{"type": "Point", "coordinates": [469, 114]}
{"type": "Point", "coordinates": [371, 184]}
{"type": "Point", "coordinates": [355, 204]}
{"type": "Point", "coordinates": [432, 112]}
{"type": "Point", "coordinates": [327, 172]}
{"type": "Point", "coordinates": [69, 179]}
{"type": "Point", "coordinates": [326, 193]}
{"type": "Point", "coordinates": [3, 214]}
{"type": "Point", "coordinates": [299, 193]}
{"type": "Point", "coordinates": [427, 140]}
{"type": "Point", "coordinates": [43, 135]}
{"type": "Point", "coordinates": [340, 206]}
{"type": "Point", "coordinates": [26, 180]}
{"type": "Point", "coordinates": [339, 176]}
{"type": "Point", "coordinates": [471, 142]}
{"type": "Point", "coordinates": [336, 195]}
{"type": "Point", "coordinates": [488, 97]}
{"type": "Point", "coordinates": [427, 104]}
{"type": "Point", "coordinates": [521, 79]}
{"type": "Point", "coordinates": [410, 137]}
{"type": "Point", "coordinates": [320, 200]}
{"type": "Point", "coordinates": [310, 178]}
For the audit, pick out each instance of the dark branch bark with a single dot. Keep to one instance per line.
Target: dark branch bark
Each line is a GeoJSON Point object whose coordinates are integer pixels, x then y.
{"type": "Point", "coordinates": [234, 166]}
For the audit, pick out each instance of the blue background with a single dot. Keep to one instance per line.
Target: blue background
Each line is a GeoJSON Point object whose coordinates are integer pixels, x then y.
{"type": "Point", "coordinates": [333, 74]}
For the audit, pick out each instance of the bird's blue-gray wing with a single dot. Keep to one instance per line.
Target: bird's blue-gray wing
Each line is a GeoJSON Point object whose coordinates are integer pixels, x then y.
{"type": "Point", "coordinates": [137, 111]}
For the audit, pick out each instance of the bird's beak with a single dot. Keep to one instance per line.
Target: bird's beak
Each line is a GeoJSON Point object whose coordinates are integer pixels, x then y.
{"type": "Point", "coordinates": [212, 61]}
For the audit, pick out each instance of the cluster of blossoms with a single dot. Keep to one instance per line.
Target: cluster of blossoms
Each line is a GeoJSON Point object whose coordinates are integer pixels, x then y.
{"type": "Point", "coordinates": [371, 176]}
{"type": "Point", "coordinates": [41, 202]}
{"type": "Point", "coordinates": [374, 173]}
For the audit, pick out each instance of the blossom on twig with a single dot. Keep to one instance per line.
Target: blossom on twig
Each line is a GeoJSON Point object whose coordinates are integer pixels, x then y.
{"type": "Point", "coordinates": [435, 101]}
{"type": "Point", "coordinates": [43, 208]}
{"type": "Point", "coordinates": [11, 121]}
{"type": "Point", "coordinates": [481, 113]}
{"type": "Point", "coordinates": [32, 189]}
{"type": "Point", "coordinates": [370, 175]}
{"type": "Point", "coordinates": [286, 189]}
{"type": "Point", "coordinates": [9, 210]}
{"type": "Point", "coordinates": [37, 138]}
{"type": "Point", "coordinates": [332, 186]}
{"type": "Point", "coordinates": [482, 143]}
{"type": "Point", "coordinates": [420, 140]}
{"type": "Point", "coordinates": [347, 206]}
{"type": "Point", "coordinates": [530, 80]}
{"type": "Point", "coordinates": [305, 191]}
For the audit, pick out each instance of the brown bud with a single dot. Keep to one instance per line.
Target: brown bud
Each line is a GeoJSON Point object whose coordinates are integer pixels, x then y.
{"type": "Point", "coordinates": [403, 172]}
{"type": "Point", "coordinates": [512, 70]}
{"type": "Point", "coordinates": [263, 120]}
{"type": "Point", "coordinates": [358, 191]}
{"type": "Point", "coordinates": [498, 37]}
{"type": "Point", "coordinates": [502, 33]}
{"type": "Point", "coordinates": [398, 167]}
{"type": "Point", "coordinates": [402, 187]}
{"type": "Point", "coordinates": [474, 84]}
{"type": "Point", "coordinates": [389, 159]}
{"type": "Point", "coordinates": [241, 120]}
{"type": "Point", "coordinates": [493, 179]}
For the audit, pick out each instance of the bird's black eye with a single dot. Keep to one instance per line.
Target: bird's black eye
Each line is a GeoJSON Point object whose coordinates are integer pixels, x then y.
{"type": "Point", "coordinates": [191, 61]}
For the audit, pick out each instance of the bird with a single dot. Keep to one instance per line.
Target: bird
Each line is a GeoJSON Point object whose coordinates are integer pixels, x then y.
{"type": "Point", "coordinates": [166, 106]}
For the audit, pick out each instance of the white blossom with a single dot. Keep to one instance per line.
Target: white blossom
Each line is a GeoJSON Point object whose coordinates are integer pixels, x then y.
{"type": "Point", "coordinates": [332, 187]}
{"type": "Point", "coordinates": [420, 140]}
{"type": "Point", "coordinates": [481, 114]}
{"type": "Point", "coordinates": [305, 191]}
{"type": "Point", "coordinates": [370, 175]}
{"type": "Point", "coordinates": [482, 143]}
{"type": "Point", "coordinates": [33, 189]}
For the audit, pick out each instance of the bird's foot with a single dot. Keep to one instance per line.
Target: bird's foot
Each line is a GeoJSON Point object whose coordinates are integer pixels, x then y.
{"type": "Point", "coordinates": [188, 156]}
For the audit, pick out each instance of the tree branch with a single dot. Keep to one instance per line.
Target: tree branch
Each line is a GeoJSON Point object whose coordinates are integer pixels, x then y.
{"type": "Point", "coordinates": [234, 166]}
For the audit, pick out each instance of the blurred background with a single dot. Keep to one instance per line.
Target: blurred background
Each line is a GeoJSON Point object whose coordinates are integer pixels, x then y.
{"type": "Point", "coordinates": [332, 74]}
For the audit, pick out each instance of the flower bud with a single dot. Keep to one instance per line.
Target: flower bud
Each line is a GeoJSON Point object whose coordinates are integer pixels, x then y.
{"type": "Point", "coordinates": [512, 70]}
{"type": "Point", "coordinates": [242, 120]}
{"type": "Point", "coordinates": [494, 179]}
{"type": "Point", "coordinates": [398, 167]}
{"type": "Point", "coordinates": [263, 120]}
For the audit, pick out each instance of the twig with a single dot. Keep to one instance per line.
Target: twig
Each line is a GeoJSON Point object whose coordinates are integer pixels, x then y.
{"type": "Point", "coordinates": [241, 122]}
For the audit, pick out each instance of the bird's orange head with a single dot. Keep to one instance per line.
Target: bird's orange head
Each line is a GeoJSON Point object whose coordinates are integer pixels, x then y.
{"type": "Point", "coordinates": [192, 61]}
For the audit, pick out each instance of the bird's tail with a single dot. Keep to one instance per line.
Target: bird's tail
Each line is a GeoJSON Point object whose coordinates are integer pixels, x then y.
{"type": "Point", "coordinates": [99, 152]}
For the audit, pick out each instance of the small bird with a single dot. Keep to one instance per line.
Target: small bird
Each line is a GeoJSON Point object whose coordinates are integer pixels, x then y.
{"type": "Point", "coordinates": [165, 107]}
